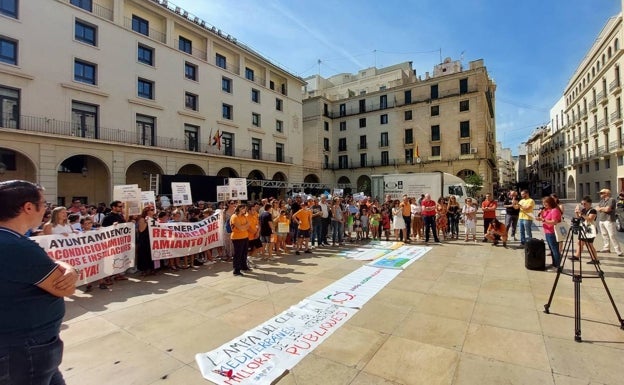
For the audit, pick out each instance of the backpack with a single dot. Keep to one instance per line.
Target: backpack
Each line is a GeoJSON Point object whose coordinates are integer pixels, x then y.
{"type": "Point", "coordinates": [228, 226]}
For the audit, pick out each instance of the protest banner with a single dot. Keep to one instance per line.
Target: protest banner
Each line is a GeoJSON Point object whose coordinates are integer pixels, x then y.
{"type": "Point", "coordinates": [181, 193]}
{"type": "Point", "coordinates": [97, 254]}
{"type": "Point", "coordinates": [130, 195]}
{"type": "Point", "coordinates": [238, 188]}
{"type": "Point", "coordinates": [177, 239]}
{"type": "Point", "coordinates": [264, 353]}
{"type": "Point", "coordinates": [401, 257]}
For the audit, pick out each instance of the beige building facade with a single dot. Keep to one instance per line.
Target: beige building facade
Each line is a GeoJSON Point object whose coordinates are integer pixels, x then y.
{"type": "Point", "coordinates": [101, 93]}
{"type": "Point", "coordinates": [389, 120]}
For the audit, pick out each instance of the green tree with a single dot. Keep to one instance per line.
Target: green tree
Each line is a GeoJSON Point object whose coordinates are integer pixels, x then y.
{"type": "Point", "coordinates": [474, 184]}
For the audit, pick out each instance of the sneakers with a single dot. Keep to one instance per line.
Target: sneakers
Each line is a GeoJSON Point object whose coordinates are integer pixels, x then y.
{"type": "Point", "coordinates": [504, 244]}
{"type": "Point", "coordinates": [297, 252]}
{"type": "Point", "coordinates": [484, 240]}
{"type": "Point", "coordinates": [308, 251]}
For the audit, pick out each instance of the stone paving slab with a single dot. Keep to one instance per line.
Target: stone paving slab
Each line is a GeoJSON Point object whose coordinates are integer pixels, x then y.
{"type": "Point", "coordinates": [465, 313]}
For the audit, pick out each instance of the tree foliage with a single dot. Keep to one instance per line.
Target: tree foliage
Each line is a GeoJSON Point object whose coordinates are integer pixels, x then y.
{"type": "Point", "coordinates": [474, 184]}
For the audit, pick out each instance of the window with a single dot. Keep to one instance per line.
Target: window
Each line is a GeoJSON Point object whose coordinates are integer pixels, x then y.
{"type": "Point", "coordinates": [435, 150]}
{"type": "Point", "coordinates": [84, 120]}
{"type": "Point", "coordinates": [279, 152]}
{"type": "Point", "coordinates": [185, 45]}
{"type": "Point", "coordinates": [408, 115]}
{"type": "Point", "coordinates": [342, 144]}
{"type": "Point", "coordinates": [190, 71]}
{"type": "Point", "coordinates": [227, 139]}
{"type": "Point", "coordinates": [85, 33]}
{"type": "Point", "coordinates": [255, 96]}
{"type": "Point", "coordinates": [226, 85]}
{"type": "Point", "coordinates": [325, 144]}
{"type": "Point", "coordinates": [435, 133]}
{"type": "Point", "coordinates": [363, 144]}
{"type": "Point", "coordinates": [255, 119]}
{"type": "Point", "coordinates": [226, 111]}
{"type": "Point", "coordinates": [221, 61]}
{"type": "Point", "coordinates": [383, 140]}
{"type": "Point", "coordinates": [409, 136]}
{"type": "Point", "coordinates": [464, 129]}
{"type": "Point", "coordinates": [463, 86]}
{"type": "Point", "coordinates": [435, 110]}
{"type": "Point", "coordinates": [464, 148]}
{"type": "Point", "coordinates": [256, 145]}
{"type": "Point", "coordinates": [409, 155]}
{"type": "Point", "coordinates": [140, 25]}
{"type": "Point", "coordinates": [146, 130]}
{"type": "Point", "coordinates": [362, 105]}
{"type": "Point", "coordinates": [596, 166]}
{"type": "Point", "coordinates": [587, 168]}
{"type": "Point", "coordinates": [9, 107]}
{"type": "Point", "coordinates": [8, 51]}
{"type": "Point", "coordinates": [326, 126]}
{"type": "Point", "coordinates": [385, 158]}
{"type": "Point", "coordinates": [362, 122]}
{"type": "Point", "coordinates": [343, 161]}
{"type": "Point", "coordinates": [146, 88]}
{"type": "Point", "coordinates": [279, 126]}
{"type": "Point", "coordinates": [408, 96]}
{"type": "Point", "coordinates": [434, 91]}
{"type": "Point", "coordinates": [191, 137]}
{"type": "Point", "coordinates": [84, 4]}
{"type": "Point", "coordinates": [343, 126]}
{"type": "Point", "coordinates": [190, 101]}
{"type": "Point", "coordinates": [84, 72]}
{"type": "Point", "coordinates": [383, 119]}
{"type": "Point", "coordinates": [363, 160]}
{"type": "Point", "coordinates": [278, 104]}
{"type": "Point", "coordinates": [249, 74]}
{"type": "Point", "coordinates": [383, 102]}
{"type": "Point", "coordinates": [343, 109]}
{"type": "Point", "coordinates": [607, 164]}
{"type": "Point", "coordinates": [145, 55]}
{"type": "Point", "coordinates": [272, 84]}
{"type": "Point", "coordinates": [9, 8]}
{"type": "Point", "coordinates": [464, 105]}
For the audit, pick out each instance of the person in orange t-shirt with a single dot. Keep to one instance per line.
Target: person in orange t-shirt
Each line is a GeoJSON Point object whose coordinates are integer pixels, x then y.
{"type": "Point", "coordinates": [240, 238]}
{"type": "Point", "coordinates": [254, 229]}
{"type": "Point", "coordinates": [303, 218]}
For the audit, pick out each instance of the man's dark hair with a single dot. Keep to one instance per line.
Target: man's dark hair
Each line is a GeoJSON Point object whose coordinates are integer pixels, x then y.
{"type": "Point", "coordinates": [587, 199]}
{"type": "Point", "coordinates": [114, 203]}
{"type": "Point", "coordinates": [14, 194]}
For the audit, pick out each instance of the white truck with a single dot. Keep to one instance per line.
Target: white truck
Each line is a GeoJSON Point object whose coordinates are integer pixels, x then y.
{"type": "Point", "coordinates": [414, 185]}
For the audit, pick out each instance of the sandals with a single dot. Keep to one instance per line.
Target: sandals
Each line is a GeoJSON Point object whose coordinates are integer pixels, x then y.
{"type": "Point", "coordinates": [88, 288]}
{"type": "Point", "coordinates": [103, 286]}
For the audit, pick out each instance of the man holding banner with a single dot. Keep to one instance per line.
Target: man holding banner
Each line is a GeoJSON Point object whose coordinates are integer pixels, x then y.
{"type": "Point", "coordinates": [32, 287]}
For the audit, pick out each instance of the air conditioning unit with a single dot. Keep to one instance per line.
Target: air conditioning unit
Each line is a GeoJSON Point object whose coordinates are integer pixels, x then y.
{"type": "Point", "coordinates": [473, 150]}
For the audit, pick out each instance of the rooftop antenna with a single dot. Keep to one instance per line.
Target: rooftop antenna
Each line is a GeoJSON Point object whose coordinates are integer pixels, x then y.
{"type": "Point", "coordinates": [375, 58]}
{"type": "Point", "coordinates": [319, 67]}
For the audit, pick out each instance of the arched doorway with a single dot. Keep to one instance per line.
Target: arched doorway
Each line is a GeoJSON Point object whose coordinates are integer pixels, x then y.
{"type": "Point", "coordinates": [144, 173]}
{"type": "Point", "coordinates": [83, 177]}
{"type": "Point", "coordinates": [345, 184]}
{"type": "Point", "coordinates": [277, 191]}
{"type": "Point", "coordinates": [15, 165]}
{"type": "Point", "coordinates": [191, 169]}
{"type": "Point", "coordinates": [254, 189]}
{"type": "Point", "coordinates": [571, 193]}
{"type": "Point", "coordinates": [364, 185]}
{"type": "Point", "coordinates": [313, 186]}
{"type": "Point", "coordinates": [465, 173]}
{"type": "Point", "coordinates": [227, 172]}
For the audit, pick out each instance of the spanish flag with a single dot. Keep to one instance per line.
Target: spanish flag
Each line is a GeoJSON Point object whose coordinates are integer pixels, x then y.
{"type": "Point", "coordinates": [216, 140]}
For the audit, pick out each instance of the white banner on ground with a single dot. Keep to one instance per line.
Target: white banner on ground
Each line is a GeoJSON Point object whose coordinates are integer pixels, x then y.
{"type": "Point", "coordinates": [97, 254]}
{"type": "Point", "coordinates": [266, 352]}
{"type": "Point", "coordinates": [385, 245]}
{"type": "Point", "coordinates": [363, 254]}
{"type": "Point", "coordinates": [400, 258]}
{"type": "Point", "coordinates": [356, 288]}
{"type": "Point", "coordinates": [177, 239]}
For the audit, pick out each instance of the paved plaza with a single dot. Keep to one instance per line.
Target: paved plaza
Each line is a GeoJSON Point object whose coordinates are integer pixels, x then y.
{"type": "Point", "coordinates": [465, 313]}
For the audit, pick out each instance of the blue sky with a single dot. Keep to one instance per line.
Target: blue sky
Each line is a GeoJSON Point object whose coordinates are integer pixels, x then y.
{"type": "Point", "coordinates": [531, 48]}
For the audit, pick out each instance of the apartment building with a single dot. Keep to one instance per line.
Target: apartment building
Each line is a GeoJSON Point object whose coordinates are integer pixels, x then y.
{"type": "Point", "coordinates": [591, 119]}
{"type": "Point", "coordinates": [389, 120]}
{"type": "Point", "coordinates": [97, 93]}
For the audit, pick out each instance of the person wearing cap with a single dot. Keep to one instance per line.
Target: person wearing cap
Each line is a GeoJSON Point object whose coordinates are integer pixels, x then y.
{"type": "Point", "coordinates": [606, 218]}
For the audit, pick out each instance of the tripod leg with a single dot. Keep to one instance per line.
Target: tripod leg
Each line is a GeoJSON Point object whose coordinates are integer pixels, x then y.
{"type": "Point", "coordinates": [577, 308]}
{"type": "Point", "coordinates": [567, 245]}
{"type": "Point", "coordinates": [601, 275]}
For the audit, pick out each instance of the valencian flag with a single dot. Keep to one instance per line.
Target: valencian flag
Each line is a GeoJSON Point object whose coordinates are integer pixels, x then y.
{"type": "Point", "coordinates": [216, 140]}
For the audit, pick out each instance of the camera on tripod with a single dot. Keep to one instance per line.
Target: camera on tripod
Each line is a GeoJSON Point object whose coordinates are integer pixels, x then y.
{"type": "Point", "coordinates": [575, 223]}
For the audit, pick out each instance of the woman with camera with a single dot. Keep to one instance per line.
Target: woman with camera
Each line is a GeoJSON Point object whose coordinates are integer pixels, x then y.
{"type": "Point", "coordinates": [587, 217]}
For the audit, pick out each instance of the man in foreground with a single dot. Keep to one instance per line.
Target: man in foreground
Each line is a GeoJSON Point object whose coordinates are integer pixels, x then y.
{"type": "Point", "coordinates": [32, 287]}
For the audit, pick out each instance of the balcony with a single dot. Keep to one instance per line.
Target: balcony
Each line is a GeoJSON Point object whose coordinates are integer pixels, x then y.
{"type": "Point", "coordinates": [130, 137]}
{"type": "Point", "coordinates": [584, 114]}
{"type": "Point", "coordinates": [383, 144]}
{"type": "Point", "coordinates": [602, 98]}
{"type": "Point", "coordinates": [97, 10]}
{"type": "Point", "coordinates": [601, 124]}
{"type": "Point", "coordinates": [616, 118]}
{"type": "Point", "coordinates": [195, 52]}
{"type": "Point", "coordinates": [592, 106]}
{"type": "Point", "coordinates": [593, 130]}
{"type": "Point", "coordinates": [151, 33]}
{"type": "Point", "coordinates": [362, 146]}
{"type": "Point", "coordinates": [615, 87]}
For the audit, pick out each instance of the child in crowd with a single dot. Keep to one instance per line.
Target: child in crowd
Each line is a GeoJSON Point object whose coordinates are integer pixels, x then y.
{"type": "Point", "coordinates": [385, 223]}
{"type": "Point", "coordinates": [282, 229]}
{"type": "Point", "coordinates": [357, 226]}
{"type": "Point", "coordinates": [364, 219]}
{"type": "Point", "coordinates": [375, 220]}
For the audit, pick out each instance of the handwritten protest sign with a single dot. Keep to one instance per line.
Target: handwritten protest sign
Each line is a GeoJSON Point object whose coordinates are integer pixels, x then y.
{"type": "Point", "coordinates": [177, 239]}
{"type": "Point", "coordinates": [97, 254]}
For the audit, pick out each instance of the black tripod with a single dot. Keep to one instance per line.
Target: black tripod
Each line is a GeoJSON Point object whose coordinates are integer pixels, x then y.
{"type": "Point", "coordinates": [577, 275]}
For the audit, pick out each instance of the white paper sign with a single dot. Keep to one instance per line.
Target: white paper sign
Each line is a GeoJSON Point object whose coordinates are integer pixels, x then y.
{"type": "Point", "coordinates": [238, 188]}
{"type": "Point", "coordinates": [181, 192]}
{"type": "Point", "coordinates": [148, 198]}
{"type": "Point", "coordinates": [130, 195]}
{"type": "Point", "coordinates": [223, 193]}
